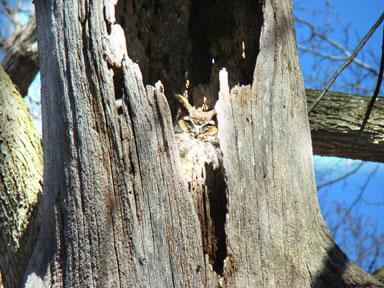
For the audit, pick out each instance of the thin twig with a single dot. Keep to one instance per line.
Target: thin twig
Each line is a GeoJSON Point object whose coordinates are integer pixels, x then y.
{"type": "Point", "coordinates": [373, 203]}
{"type": "Point", "coordinates": [357, 199]}
{"type": "Point", "coordinates": [335, 45]}
{"type": "Point", "coordinates": [342, 177]}
{"type": "Point", "coordinates": [347, 62]}
{"type": "Point", "coordinates": [375, 95]}
{"type": "Point", "coordinates": [321, 54]}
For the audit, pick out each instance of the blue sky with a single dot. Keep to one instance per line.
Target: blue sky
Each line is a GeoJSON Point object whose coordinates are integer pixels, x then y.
{"type": "Point", "coordinates": [358, 17]}
{"type": "Point", "coordinates": [334, 20]}
{"type": "Point", "coordinates": [359, 14]}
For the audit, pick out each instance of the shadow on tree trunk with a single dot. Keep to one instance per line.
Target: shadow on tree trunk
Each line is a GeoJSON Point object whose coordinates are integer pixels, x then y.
{"type": "Point", "coordinates": [335, 272]}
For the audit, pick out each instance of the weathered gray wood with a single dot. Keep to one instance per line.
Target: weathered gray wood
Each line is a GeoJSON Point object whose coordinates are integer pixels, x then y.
{"type": "Point", "coordinates": [276, 236]}
{"type": "Point", "coordinates": [21, 168]}
{"type": "Point", "coordinates": [335, 124]}
{"type": "Point", "coordinates": [202, 168]}
{"type": "Point", "coordinates": [169, 213]}
{"type": "Point", "coordinates": [115, 211]}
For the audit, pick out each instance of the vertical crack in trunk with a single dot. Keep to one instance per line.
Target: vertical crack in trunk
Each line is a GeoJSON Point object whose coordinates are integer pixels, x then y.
{"type": "Point", "coordinates": [202, 168]}
{"type": "Point", "coordinates": [215, 238]}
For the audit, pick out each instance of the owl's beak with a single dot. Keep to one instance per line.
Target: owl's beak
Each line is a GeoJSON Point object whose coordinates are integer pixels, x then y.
{"type": "Point", "coordinates": [196, 131]}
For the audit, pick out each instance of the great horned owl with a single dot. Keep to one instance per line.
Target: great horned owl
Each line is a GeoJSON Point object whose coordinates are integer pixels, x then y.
{"type": "Point", "coordinates": [197, 122]}
{"type": "Point", "coordinates": [196, 137]}
{"type": "Point", "coordinates": [202, 169]}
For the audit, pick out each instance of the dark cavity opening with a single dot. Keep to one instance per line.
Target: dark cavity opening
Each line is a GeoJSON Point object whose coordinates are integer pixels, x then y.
{"type": "Point", "coordinates": [214, 219]}
{"type": "Point", "coordinates": [227, 32]}
{"type": "Point", "coordinates": [170, 39]}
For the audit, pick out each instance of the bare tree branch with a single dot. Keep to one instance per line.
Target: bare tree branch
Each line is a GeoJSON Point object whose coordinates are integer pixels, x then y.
{"type": "Point", "coordinates": [319, 53]}
{"type": "Point", "coordinates": [375, 95]}
{"type": "Point", "coordinates": [333, 43]}
{"type": "Point", "coordinates": [357, 199]}
{"type": "Point", "coordinates": [340, 178]}
{"type": "Point", "coordinates": [349, 60]}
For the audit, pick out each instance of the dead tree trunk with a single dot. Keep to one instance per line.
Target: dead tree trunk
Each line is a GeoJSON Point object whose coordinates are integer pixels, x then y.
{"type": "Point", "coordinates": [116, 211]}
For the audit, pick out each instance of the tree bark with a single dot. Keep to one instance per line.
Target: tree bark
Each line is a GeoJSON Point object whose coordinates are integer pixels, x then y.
{"type": "Point", "coordinates": [336, 121]}
{"type": "Point", "coordinates": [276, 236]}
{"type": "Point", "coordinates": [116, 211]}
{"type": "Point", "coordinates": [379, 274]}
{"type": "Point", "coordinates": [20, 183]}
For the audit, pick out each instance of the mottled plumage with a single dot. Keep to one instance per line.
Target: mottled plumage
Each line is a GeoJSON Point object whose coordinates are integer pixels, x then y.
{"type": "Point", "coordinates": [196, 138]}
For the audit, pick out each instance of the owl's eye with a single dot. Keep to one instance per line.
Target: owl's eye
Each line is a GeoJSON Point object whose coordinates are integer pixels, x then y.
{"type": "Point", "coordinates": [205, 128]}
{"type": "Point", "coordinates": [185, 125]}
{"type": "Point", "coordinates": [210, 130]}
{"type": "Point", "coordinates": [208, 124]}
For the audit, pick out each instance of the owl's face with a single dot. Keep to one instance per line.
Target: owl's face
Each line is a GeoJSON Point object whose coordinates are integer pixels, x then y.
{"type": "Point", "coordinates": [198, 128]}
{"type": "Point", "coordinates": [198, 122]}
